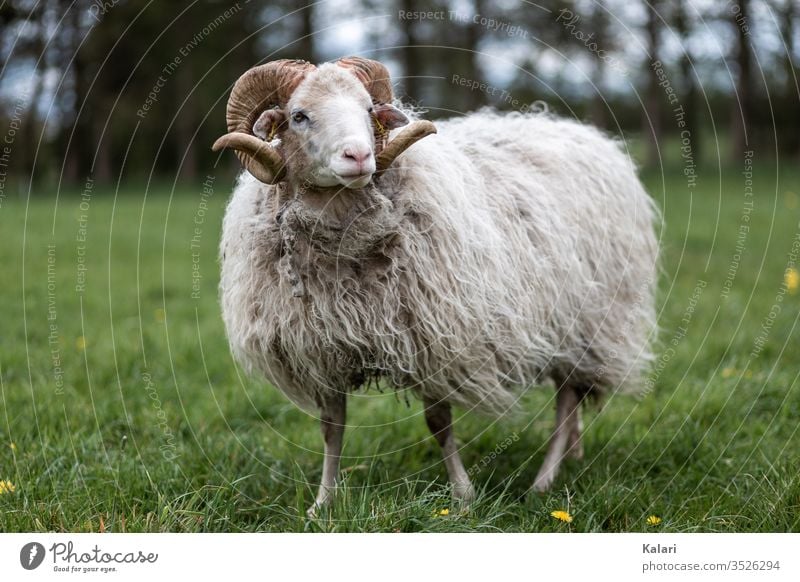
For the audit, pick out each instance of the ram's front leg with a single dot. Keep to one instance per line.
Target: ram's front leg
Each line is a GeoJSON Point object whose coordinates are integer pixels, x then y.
{"type": "Point", "coordinates": [439, 419]}
{"type": "Point", "coordinates": [332, 421]}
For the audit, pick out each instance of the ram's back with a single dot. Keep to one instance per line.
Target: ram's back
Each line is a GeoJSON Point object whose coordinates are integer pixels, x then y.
{"type": "Point", "coordinates": [564, 233]}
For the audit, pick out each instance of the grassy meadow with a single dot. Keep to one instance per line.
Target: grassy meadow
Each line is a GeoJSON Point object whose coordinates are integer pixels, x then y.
{"type": "Point", "coordinates": [121, 408]}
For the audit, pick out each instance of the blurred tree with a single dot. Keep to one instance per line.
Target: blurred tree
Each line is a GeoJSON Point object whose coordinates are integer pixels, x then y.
{"type": "Point", "coordinates": [307, 42]}
{"type": "Point", "coordinates": [652, 116]}
{"type": "Point", "coordinates": [548, 35]}
{"type": "Point", "coordinates": [75, 144]}
{"type": "Point", "coordinates": [689, 98]}
{"type": "Point", "coordinates": [37, 47]}
{"type": "Point", "coordinates": [741, 104]}
{"type": "Point", "coordinates": [140, 88]}
{"type": "Point", "coordinates": [147, 78]}
{"type": "Point", "coordinates": [788, 13]}
{"type": "Point", "coordinates": [23, 25]}
{"type": "Point", "coordinates": [8, 14]}
{"type": "Point", "coordinates": [788, 112]}
{"type": "Point", "coordinates": [409, 55]}
{"type": "Point", "coordinates": [598, 19]}
{"type": "Point", "coordinates": [473, 36]}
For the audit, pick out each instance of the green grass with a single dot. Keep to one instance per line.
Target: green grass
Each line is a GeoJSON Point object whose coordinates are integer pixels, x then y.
{"type": "Point", "coordinates": [713, 447]}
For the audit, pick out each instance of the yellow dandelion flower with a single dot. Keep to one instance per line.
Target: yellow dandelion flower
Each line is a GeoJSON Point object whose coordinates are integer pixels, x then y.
{"type": "Point", "coordinates": [444, 512]}
{"type": "Point", "coordinates": [7, 487]}
{"type": "Point", "coordinates": [728, 372]}
{"type": "Point", "coordinates": [13, 447]}
{"type": "Point", "coordinates": [160, 315]}
{"type": "Point", "coordinates": [653, 520]}
{"type": "Point", "coordinates": [80, 343]}
{"type": "Point", "coordinates": [792, 279]}
{"type": "Point", "coordinates": [562, 515]}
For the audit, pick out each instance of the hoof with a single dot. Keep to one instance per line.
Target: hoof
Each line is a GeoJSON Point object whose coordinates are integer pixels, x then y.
{"type": "Point", "coordinates": [463, 494]}
{"type": "Point", "coordinates": [314, 511]}
{"type": "Point", "coordinates": [576, 453]}
{"type": "Point", "coordinates": [322, 501]}
{"type": "Point", "coordinates": [543, 483]}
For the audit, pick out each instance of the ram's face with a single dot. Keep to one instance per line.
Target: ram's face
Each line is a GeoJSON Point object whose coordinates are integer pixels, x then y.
{"type": "Point", "coordinates": [320, 123]}
{"type": "Point", "coordinates": [326, 130]}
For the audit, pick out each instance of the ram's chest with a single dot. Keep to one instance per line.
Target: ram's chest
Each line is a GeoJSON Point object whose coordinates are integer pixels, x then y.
{"type": "Point", "coordinates": [336, 304]}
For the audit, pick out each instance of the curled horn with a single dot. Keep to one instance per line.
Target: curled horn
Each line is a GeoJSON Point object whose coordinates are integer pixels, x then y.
{"type": "Point", "coordinates": [259, 89]}
{"type": "Point", "coordinates": [407, 137]}
{"type": "Point", "coordinates": [373, 75]}
{"type": "Point", "coordinates": [375, 78]}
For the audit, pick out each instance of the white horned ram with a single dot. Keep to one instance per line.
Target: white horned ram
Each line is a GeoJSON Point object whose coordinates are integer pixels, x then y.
{"type": "Point", "coordinates": [502, 250]}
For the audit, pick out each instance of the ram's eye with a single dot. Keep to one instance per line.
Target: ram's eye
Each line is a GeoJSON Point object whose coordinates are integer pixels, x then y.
{"type": "Point", "coordinates": [299, 117]}
{"type": "Point", "coordinates": [371, 109]}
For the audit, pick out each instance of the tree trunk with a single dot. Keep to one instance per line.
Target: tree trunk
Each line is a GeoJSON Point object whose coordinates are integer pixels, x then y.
{"type": "Point", "coordinates": [31, 148]}
{"type": "Point", "coordinates": [186, 153]}
{"type": "Point", "coordinates": [598, 108]}
{"type": "Point", "coordinates": [689, 99]}
{"type": "Point", "coordinates": [474, 33]}
{"type": "Point", "coordinates": [652, 111]}
{"type": "Point", "coordinates": [409, 55]}
{"type": "Point", "coordinates": [80, 150]}
{"type": "Point", "coordinates": [306, 45]}
{"type": "Point", "coordinates": [787, 31]}
{"type": "Point", "coordinates": [789, 106]}
{"type": "Point", "coordinates": [741, 107]}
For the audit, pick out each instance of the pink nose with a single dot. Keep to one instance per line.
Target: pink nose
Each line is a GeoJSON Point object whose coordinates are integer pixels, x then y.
{"type": "Point", "coordinates": [358, 155]}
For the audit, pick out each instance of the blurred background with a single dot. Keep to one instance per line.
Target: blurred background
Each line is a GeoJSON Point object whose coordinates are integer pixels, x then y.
{"type": "Point", "coordinates": [119, 89]}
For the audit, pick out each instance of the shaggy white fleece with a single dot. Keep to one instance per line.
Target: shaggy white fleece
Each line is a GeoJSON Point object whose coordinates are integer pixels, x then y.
{"type": "Point", "coordinates": [502, 250]}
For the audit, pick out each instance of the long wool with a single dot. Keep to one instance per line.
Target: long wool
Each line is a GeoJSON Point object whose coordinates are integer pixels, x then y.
{"type": "Point", "coordinates": [504, 249]}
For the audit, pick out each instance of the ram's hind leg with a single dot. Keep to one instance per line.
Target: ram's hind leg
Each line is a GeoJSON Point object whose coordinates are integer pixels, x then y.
{"type": "Point", "coordinates": [439, 420]}
{"type": "Point", "coordinates": [332, 420]}
{"type": "Point", "coordinates": [565, 439]}
{"type": "Point", "coordinates": [574, 445]}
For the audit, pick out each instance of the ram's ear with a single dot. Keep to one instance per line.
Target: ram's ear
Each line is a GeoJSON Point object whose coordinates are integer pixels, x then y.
{"type": "Point", "coordinates": [269, 123]}
{"type": "Point", "coordinates": [389, 116]}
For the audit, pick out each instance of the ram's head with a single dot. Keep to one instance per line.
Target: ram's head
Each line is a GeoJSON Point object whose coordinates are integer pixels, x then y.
{"type": "Point", "coordinates": [327, 126]}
